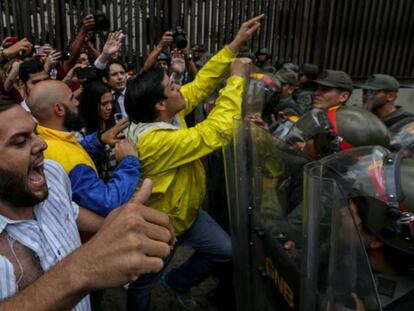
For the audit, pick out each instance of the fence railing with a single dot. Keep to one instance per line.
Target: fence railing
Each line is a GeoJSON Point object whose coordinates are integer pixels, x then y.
{"type": "Point", "coordinates": [358, 36]}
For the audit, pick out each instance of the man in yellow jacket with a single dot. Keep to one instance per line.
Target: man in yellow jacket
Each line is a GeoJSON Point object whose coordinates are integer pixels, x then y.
{"type": "Point", "coordinates": [170, 154]}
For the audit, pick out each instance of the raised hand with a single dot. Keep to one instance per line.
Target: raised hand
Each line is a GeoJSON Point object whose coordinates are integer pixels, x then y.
{"type": "Point", "coordinates": [113, 43]}
{"type": "Point", "coordinates": [88, 23]}
{"type": "Point", "coordinates": [52, 59]}
{"type": "Point", "coordinates": [22, 45]}
{"type": "Point", "coordinates": [112, 135]}
{"type": "Point", "coordinates": [246, 31]}
{"type": "Point", "coordinates": [166, 40]}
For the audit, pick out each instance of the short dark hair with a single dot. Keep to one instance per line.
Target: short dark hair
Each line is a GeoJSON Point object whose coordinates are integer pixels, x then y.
{"type": "Point", "coordinates": [6, 102]}
{"type": "Point", "coordinates": [143, 93]}
{"type": "Point", "coordinates": [29, 67]}
{"type": "Point", "coordinates": [109, 64]}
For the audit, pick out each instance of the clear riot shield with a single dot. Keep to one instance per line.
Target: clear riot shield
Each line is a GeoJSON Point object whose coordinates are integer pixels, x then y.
{"type": "Point", "coordinates": [335, 270]}
{"type": "Point", "coordinates": [403, 134]}
{"type": "Point", "coordinates": [276, 184]}
{"type": "Point", "coordinates": [239, 203]}
{"type": "Point", "coordinates": [264, 183]}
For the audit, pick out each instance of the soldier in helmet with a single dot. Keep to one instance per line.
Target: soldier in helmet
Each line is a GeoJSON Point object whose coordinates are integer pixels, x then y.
{"type": "Point", "coordinates": [380, 92]}
{"type": "Point", "coordinates": [289, 79]}
{"type": "Point", "coordinates": [322, 132]}
{"type": "Point", "coordinates": [303, 93]}
{"type": "Point", "coordinates": [280, 111]}
{"type": "Point", "coordinates": [387, 230]}
{"type": "Point", "coordinates": [291, 66]}
{"type": "Point", "coordinates": [376, 183]}
{"type": "Point", "coordinates": [268, 178]}
{"type": "Point", "coordinates": [264, 60]}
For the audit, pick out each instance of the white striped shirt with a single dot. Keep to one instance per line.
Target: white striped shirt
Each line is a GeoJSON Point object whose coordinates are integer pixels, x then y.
{"type": "Point", "coordinates": [52, 235]}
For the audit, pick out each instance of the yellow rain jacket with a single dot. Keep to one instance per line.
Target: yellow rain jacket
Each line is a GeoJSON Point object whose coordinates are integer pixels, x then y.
{"type": "Point", "coordinates": [170, 155]}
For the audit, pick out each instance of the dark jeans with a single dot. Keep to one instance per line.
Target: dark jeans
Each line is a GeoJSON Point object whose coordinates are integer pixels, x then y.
{"type": "Point", "coordinates": [212, 248]}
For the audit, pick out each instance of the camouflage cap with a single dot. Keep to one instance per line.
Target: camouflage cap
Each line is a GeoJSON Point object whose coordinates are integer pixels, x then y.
{"type": "Point", "coordinates": [379, 81]}
{"type": "Point", "coordinates": [335, 79]}
{"type": "Point", "coordinates": [287, 76]}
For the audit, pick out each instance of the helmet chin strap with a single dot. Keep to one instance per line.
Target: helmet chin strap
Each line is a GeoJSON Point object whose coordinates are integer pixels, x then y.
{"type": "Point", "coordinates": [343, 144]}
{"type": "Point", "coordinates": [393, 195]}
{"type": "Point", "coordinates": [327, 119]}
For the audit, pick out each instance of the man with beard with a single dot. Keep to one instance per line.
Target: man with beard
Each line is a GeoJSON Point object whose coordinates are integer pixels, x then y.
{"type": "Point", "coordinates": [380, 93]}
{"type": "Point", "coordinates": [42, 265]}
{"type": "Point", "coordinates": [54, 106]}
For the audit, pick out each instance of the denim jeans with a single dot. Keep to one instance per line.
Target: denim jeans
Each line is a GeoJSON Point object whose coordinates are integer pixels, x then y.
{"type": "Point", "coordinates": [212, 247]}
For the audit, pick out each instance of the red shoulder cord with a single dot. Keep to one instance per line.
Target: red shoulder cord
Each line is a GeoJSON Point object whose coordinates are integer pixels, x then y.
{"type": "Point", "coordinates": [343, 145]}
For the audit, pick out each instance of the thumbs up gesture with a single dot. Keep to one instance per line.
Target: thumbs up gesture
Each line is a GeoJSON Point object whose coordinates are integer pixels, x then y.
{"type": "Point", "coordinates": [133, 240]}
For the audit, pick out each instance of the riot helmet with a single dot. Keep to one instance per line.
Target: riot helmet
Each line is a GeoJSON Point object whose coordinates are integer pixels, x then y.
{"type": "Point", "coordinates": [379, 182]}
{"type": "Point", "coordinates": [338, 128]}
{"type": "Point", "coordinates": [263, 58]}
{"type": "Point", "coordinates": [309, 70]}
{"type": "Point", "coordinates": [264, 51]}
{"type": "Point", "coordinates": [290, 66]}
{"type": "Point", "coordinates": [358, 218]}
{"type": "Point", "coordinates": [262, 93]}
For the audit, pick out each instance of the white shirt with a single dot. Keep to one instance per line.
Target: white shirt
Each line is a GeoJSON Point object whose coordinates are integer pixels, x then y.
{"type": "Point", "coordinates": [52, 235]}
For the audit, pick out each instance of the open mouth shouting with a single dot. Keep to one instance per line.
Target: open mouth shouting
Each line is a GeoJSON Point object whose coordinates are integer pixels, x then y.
{"type": "Point", "coordinates": [36, 175]}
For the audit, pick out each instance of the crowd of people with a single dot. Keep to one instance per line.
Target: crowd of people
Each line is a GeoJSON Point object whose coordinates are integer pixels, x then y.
{"type": "Point", "coordinates": [101, 179]}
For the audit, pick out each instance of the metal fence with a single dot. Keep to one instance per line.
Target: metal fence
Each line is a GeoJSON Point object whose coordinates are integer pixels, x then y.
{"type": "Point", "coordinates": [358, 36]}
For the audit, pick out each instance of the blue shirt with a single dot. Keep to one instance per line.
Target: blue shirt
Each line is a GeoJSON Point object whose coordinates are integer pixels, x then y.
{"type": "Point", "coordinates": [52, 235]}
{"type": "Point", "coordinates": [88, 189]}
